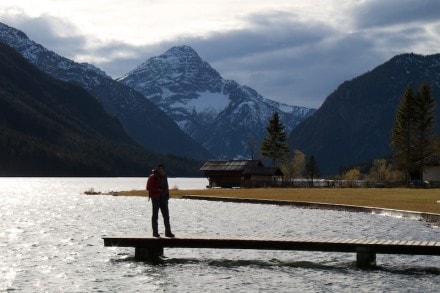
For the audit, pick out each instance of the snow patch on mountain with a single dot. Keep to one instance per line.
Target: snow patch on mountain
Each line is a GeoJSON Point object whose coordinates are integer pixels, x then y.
{"type": "Point", "coordinates": [208, 101]}
{"type": "Point", "coordinates": [141, 119]}
{"type": "Point", "coordinates": [220, 114]}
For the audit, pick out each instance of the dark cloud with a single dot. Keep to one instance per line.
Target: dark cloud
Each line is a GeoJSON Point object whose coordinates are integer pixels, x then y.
{"type": "Point", "coordinates": [53, 33]}
{"type": "Point", "coordinates": [288, 60]}
{"type": "Point", "coordinates": [376, 13]}
{"type": "Point", "coordinates": [280, 55]}
{"type": "Point", "coordinates": [117, 58]}
{"type": "Point", "coordinates": [403, 38]}
{"type": "Point", "coordinates": [265, 33]}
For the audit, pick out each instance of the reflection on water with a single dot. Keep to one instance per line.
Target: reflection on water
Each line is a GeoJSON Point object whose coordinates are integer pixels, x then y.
{"type": "Point", "coordinates": [50, 240]}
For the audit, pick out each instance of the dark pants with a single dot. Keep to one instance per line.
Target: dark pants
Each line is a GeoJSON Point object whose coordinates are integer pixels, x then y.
{"type": "Point", "coordinates": [161, 204]}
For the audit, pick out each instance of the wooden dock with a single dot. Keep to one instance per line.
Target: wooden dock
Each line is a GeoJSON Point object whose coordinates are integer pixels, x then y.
{"type": "Point", "coordinates": [150, 248]}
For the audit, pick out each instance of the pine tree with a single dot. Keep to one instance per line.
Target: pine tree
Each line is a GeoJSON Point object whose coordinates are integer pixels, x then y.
{"type": "Point", "coordinates": [274, 146]}
{"type": "Point", "coordinates": [402, 133]}
{"type": "Point", "coordinates": [424, 126]}
{"type": "Point", "coordinates": [413, 131]}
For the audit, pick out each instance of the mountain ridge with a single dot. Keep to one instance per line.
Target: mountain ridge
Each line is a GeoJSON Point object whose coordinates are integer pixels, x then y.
{"type": "Point", "coordinates": [50, 127]}
{"type": "Point", "coordinates": [141, 119]}
{"type": "Point", "coordinates": [353, 125]}
{"type": "Point", "coordinates": [221, 114]}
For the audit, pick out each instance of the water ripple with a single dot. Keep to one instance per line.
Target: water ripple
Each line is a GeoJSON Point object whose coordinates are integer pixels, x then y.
{"type": "Point", "coordinates": [50, 240]}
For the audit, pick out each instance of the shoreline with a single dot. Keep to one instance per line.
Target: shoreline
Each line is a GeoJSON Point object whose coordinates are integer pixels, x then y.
{"type": "Point", "coordinates": [417, 200]}
{"type": "Point", "coordinates": [423, 204]}
{"type": "Point", "coordinates": [421, 216]}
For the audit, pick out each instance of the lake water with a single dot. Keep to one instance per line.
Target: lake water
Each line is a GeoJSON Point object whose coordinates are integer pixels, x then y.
{"type": "Point", "coordinates": [50, 241]}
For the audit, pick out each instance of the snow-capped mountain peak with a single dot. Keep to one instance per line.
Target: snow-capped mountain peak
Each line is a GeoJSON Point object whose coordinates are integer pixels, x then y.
{"type": "Point", "coordinates": [221, 114]}
{"type": "Point", "coordinates": [181, 54]}
{"type": "Point", "coordinates": [140, 118]}
{"type": "Point", "coordinates": [174, 72]}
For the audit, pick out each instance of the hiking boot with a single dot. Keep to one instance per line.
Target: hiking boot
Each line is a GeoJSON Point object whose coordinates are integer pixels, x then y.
{"type": "Point", "coordinates": [169, 234]}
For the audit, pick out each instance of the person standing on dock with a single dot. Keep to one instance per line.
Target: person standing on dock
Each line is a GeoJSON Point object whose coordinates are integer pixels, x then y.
{"type": "Point", "coordinates": [158, 191]}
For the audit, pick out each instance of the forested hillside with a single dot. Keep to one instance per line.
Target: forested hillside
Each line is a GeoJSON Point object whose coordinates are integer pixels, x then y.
{"type": "Point", "coordinates": [353, 125]}
{"type": "Point", "coordinates": [53, 128]}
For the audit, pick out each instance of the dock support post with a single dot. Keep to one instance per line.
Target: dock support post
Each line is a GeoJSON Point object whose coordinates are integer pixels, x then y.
{"type": "Point", "coordinates": [148, 253]}
{"type": "Point", "coordinates": [365, 257]}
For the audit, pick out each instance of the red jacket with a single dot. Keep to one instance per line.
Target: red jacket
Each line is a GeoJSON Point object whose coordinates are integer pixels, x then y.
{"type": "Point", "coordinates": [153, 185]}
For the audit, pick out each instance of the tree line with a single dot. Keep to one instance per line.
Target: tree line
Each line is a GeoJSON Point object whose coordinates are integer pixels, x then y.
{"type": "Point", "coordinates": [275, 147]}
{"type": "Point", "coordinates": [413, 141]}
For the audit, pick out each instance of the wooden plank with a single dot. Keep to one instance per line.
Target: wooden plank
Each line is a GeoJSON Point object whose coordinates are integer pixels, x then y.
{"type": "Point", "coordinates": [278, 243]}
{"type": "Point", "coordinates": [371, 241]}
{"type": "Point", "coordinates": [299, 238]}
{"type": "Point", "coordinates": [335, 239]}
{"type": "Point", "coordinates": [359, 241]}
{"type": "Point", "coordinates": [353, 241]}
{"type": "Point", "coordinates": [394, 242]}
{"type": "Point", "coordinates": [318, 239]}
{"type": "Point", "coordinates": [345, 241]}
{"type": "Point", "coordinates": [308, 239]}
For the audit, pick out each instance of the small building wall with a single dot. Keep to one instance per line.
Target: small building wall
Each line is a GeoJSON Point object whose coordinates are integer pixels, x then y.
{"type": "Point", "coordinates": [431, 173]}
{"type": "Point", "coordinates": [225, 180]}
{"type": "Point", "coordinates": [240, 173]}
{"type": "Point", "coordinates": [258, 178]}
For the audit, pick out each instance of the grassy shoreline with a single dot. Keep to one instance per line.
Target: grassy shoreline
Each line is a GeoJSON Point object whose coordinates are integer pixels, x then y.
{"type": "Point", "coordinates": [419, 200]}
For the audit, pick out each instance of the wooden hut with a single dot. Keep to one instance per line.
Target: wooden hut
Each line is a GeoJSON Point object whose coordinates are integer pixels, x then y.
{"type": "Point", "coordinates": [431, 170]}
{"type": "Point", "coordinates": [240, 173]}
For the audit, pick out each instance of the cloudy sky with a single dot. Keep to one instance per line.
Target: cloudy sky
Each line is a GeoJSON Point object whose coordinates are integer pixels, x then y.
{"type": "Point", "coordinates": [292, 51]}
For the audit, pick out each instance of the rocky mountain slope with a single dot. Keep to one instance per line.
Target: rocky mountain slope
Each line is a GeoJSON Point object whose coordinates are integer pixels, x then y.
{"type": "Point", "coordinates": [141, 119]}
{"type": "Point", "coordinates": [50, 127]}
{"type": "Point", "coordinates": [354, 123]}
{"type": "Point", "coordinates": [228, 119]}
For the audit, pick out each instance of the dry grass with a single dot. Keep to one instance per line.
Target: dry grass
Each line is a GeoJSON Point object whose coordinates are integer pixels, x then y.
{"type": "Point", "coordinates": [422, 200]}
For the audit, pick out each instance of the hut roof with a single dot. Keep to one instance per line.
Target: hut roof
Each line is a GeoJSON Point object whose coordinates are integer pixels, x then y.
{"type": "Point", "coordinates": [230, 165]}
{"type": "Point", "coordinates": [433, 160]}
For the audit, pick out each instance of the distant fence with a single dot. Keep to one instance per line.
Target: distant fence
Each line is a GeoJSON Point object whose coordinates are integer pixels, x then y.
{"type": "Point", "coordinates": [328, 183]}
